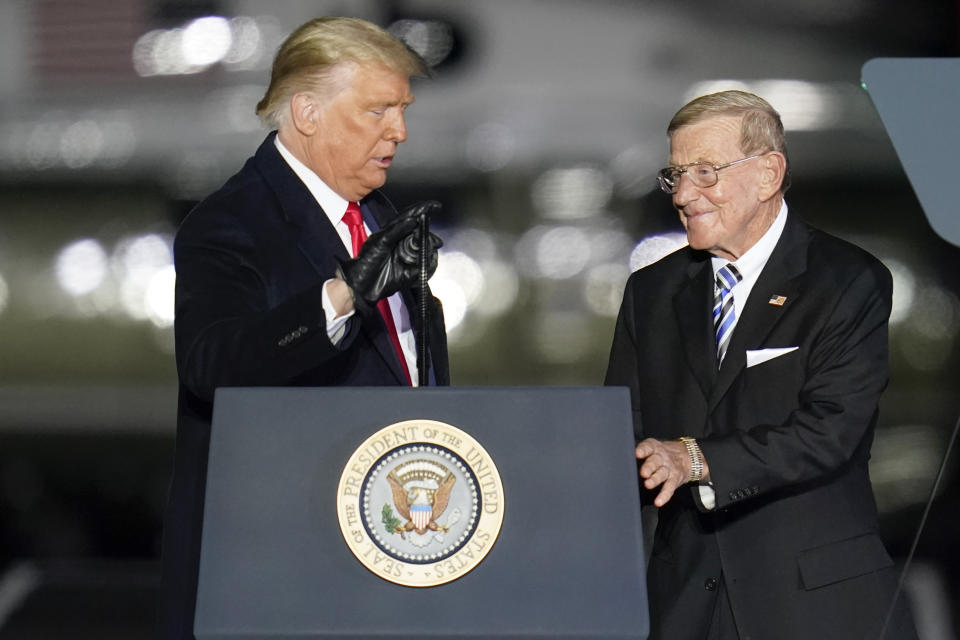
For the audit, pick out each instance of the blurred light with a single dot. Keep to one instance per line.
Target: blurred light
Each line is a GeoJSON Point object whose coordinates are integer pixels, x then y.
{"type": "Point", "coordinates": [57, 139]}
{"type": "Point", "coordinates": [462, 270]}
{"type": "Point", "coordinates": [903, 290]}
{"type": "Point", "coordinates": [43, 144]}
{"type": "Point", "coordinates": [713, 86]}
{"type": "Point", "coordinates": [140, 257]}
{"type": "Point", "coordinates": [490, 285]}
{"type": "Point", "coordinates": [143, 265]}
{"type": "Point", "coordinates": [927, 338]}
{"type": "Point", "coordinates": [81, 266]}
{"type": "Point", "coordinates": [81, 144]}
{"type": "Point", "coordinates": [803, 106]}
{"type": "Point", "coordinates": [431, 39]}
{"type": "Point", "coordinates": [603, 288]}
{"type": "Point", "coordinates": [487, 287]}
{"type": "Point", "coordinates": [120, 138]}
{"type": "Point", "coordinates": [655, 247]}
{"type": "Point", "coordinates": [144, 63]}
{"type": "Point", "coordinates": [490, 146]}
{"type": "Point", "coordinates": [608, 245]}
{"type": "Point", "coordinates": [195, 47]}
{"type": "Point", "coordinates": [101, 301]}
{"type": "Point", "coordinates": [566, 194]}
{"type": "Point", "coordinates": [553, 252]}
{"type": "Point", "coordinates": [159, 296]}
{"type": "Point", "coordinates": [18, 583]}
{"type": "Point", "coordinates": [501, 290]}
{"type": "Point", "coordinates": [167, 55]}
{"type": "Point", "coordinates": [133, 298]}
{"type": "Point", "coordinates": [634, 169]}
{"type": "Point", "coordinates": [206, 41]}
{"type": "Point", "coordinates": [903, 464]}
{"type": "Point", "coordinates": [473, 242]}
{"type": "Point", "coordinates": [246, 41]}
{"type": "Point", "coordinates": [4, 294]}
{"type": "Point", "coordinates": [254, 42]}
{"type": "Point", "coordinates": [561, 337]}
{"type": "Point", "coordinates": [453, 298]}
{"type": "Point", "coordinates": [935, 313]}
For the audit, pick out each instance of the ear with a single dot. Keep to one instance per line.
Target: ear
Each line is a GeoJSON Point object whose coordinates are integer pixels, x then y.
{"type": "Point", "coordinates": [774, 171]}
{"type": "Point", "coordinates": [304, 113]}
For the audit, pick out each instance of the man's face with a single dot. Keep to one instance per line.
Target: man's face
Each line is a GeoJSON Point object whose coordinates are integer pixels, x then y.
{"type": "Point", "coordinates": [359, 130]}
{"type": "Point", "coordinates": [732, 215]}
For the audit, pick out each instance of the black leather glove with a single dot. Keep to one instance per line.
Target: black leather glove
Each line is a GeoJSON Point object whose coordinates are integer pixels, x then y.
{"type": "Point", "coordinates": [408, 252]}
{"type": "Point", "coordinates": [389, 260]}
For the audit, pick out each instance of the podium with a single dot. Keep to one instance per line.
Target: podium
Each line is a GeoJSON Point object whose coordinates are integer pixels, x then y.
{"type": "Point", "coordinates": [565, 561]}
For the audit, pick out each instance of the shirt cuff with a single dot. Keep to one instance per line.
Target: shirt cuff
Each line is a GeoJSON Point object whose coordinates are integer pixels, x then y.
{"type": "Point", "coordinates": [708, 497]}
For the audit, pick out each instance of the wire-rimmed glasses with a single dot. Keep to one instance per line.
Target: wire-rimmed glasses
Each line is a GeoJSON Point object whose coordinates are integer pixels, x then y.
{"type": "Point", "coordinates": [702, 174]}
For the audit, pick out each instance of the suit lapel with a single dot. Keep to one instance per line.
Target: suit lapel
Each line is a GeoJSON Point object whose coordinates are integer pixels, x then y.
{"type": "Point", "coordinates": [780, 277]}
{"type": "Point", "coordinates": [317, 239]}
{"type": "Point", "coordinates": [692, 305]}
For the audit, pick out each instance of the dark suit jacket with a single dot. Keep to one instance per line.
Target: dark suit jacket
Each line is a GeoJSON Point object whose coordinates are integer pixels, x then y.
{"type": "Point", "coordinates": [251, 260]}
{"type": "Point", "coordinates": [794, 534]}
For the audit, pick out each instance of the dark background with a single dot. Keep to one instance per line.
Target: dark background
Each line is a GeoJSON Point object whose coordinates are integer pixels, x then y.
{"type": "Point", "coordinates": [540, 134]}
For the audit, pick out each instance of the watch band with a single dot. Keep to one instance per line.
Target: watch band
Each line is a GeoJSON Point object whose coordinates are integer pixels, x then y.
{"type": "Point", "coordinates": [696, 459]}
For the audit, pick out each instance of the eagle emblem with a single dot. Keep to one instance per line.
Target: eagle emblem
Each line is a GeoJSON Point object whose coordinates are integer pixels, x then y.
{"type": "Point", "coordinates": [411, 491]}
{"type": "Point", "coordinates": [421, 491]}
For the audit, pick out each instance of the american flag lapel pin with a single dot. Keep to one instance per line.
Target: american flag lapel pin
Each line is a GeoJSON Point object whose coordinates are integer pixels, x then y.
{"type": "Point", "coordinates": [777, 301]}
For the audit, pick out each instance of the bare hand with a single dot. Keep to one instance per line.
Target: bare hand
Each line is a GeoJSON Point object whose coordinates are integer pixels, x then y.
{"type": "Point", "coordinates": [341, 297]}
{"type": "Point", "coordinates": [665, 464]}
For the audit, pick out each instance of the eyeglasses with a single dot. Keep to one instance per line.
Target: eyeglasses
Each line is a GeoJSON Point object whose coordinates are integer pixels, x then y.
{"type": "Point", "coordinates": [702, 174]}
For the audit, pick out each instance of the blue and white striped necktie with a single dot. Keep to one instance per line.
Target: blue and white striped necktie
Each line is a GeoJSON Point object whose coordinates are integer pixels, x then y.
{"type": "Point", "coordinates": [724, 315]}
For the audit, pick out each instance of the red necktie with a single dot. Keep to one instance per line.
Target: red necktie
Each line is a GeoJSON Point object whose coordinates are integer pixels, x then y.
{"type": "Point", "coordinates": [358, 235]}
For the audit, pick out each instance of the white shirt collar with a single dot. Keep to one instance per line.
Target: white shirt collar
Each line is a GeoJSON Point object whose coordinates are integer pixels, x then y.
{"type": "Point", "coordinates": [331, 203]}
{"type": "Point", "coordinates": [755, 258]}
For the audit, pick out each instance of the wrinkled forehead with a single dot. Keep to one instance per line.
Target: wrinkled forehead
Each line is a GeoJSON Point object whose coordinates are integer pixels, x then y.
{"type": "Point", "coordinates": [714, 139]}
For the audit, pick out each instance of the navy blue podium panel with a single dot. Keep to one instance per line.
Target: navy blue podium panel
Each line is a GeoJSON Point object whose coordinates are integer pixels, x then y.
{"type": "Point", "coordinates": [567, 561]}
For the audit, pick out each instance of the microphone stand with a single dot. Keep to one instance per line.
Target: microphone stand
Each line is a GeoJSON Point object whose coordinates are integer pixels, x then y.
{"type": "Point", "coordinates": [423, 362]}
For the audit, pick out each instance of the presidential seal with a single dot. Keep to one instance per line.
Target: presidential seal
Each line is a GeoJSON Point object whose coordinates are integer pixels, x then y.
{"type": "Point", "coordinates": [420, 503]}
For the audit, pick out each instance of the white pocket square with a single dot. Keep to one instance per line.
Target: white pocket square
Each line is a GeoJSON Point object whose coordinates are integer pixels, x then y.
{"type": "Point", "coordinates": [758, 356]}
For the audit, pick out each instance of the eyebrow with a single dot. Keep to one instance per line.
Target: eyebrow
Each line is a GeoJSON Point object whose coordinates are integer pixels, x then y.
{"type": "Point", "coordinates": [389, 100]}
{"type": "Point", "coordinates": [690, 164]}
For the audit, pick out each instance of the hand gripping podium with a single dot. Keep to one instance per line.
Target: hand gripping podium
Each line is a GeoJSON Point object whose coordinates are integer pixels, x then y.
{"type": "Point", "coordinates": [438, 513]}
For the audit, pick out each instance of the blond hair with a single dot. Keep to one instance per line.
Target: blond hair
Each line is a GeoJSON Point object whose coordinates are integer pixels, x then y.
{"type": "Point", "coordinates": [761, 129]}
{"type": "Point", "coordinates": [315, 55]}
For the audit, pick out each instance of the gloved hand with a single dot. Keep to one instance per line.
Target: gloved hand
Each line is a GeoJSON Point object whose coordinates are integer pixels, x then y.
{"type": "Point", "coordinates": [389, 259]}
{"type": "Point", "coordinates": [408, 251]}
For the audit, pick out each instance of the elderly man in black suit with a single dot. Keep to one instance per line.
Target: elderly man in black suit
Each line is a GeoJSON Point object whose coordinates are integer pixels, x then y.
{"type": "Point", "coordinates": [755, 358]}
{"type": "Point", "coordinates": [278, 282]}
